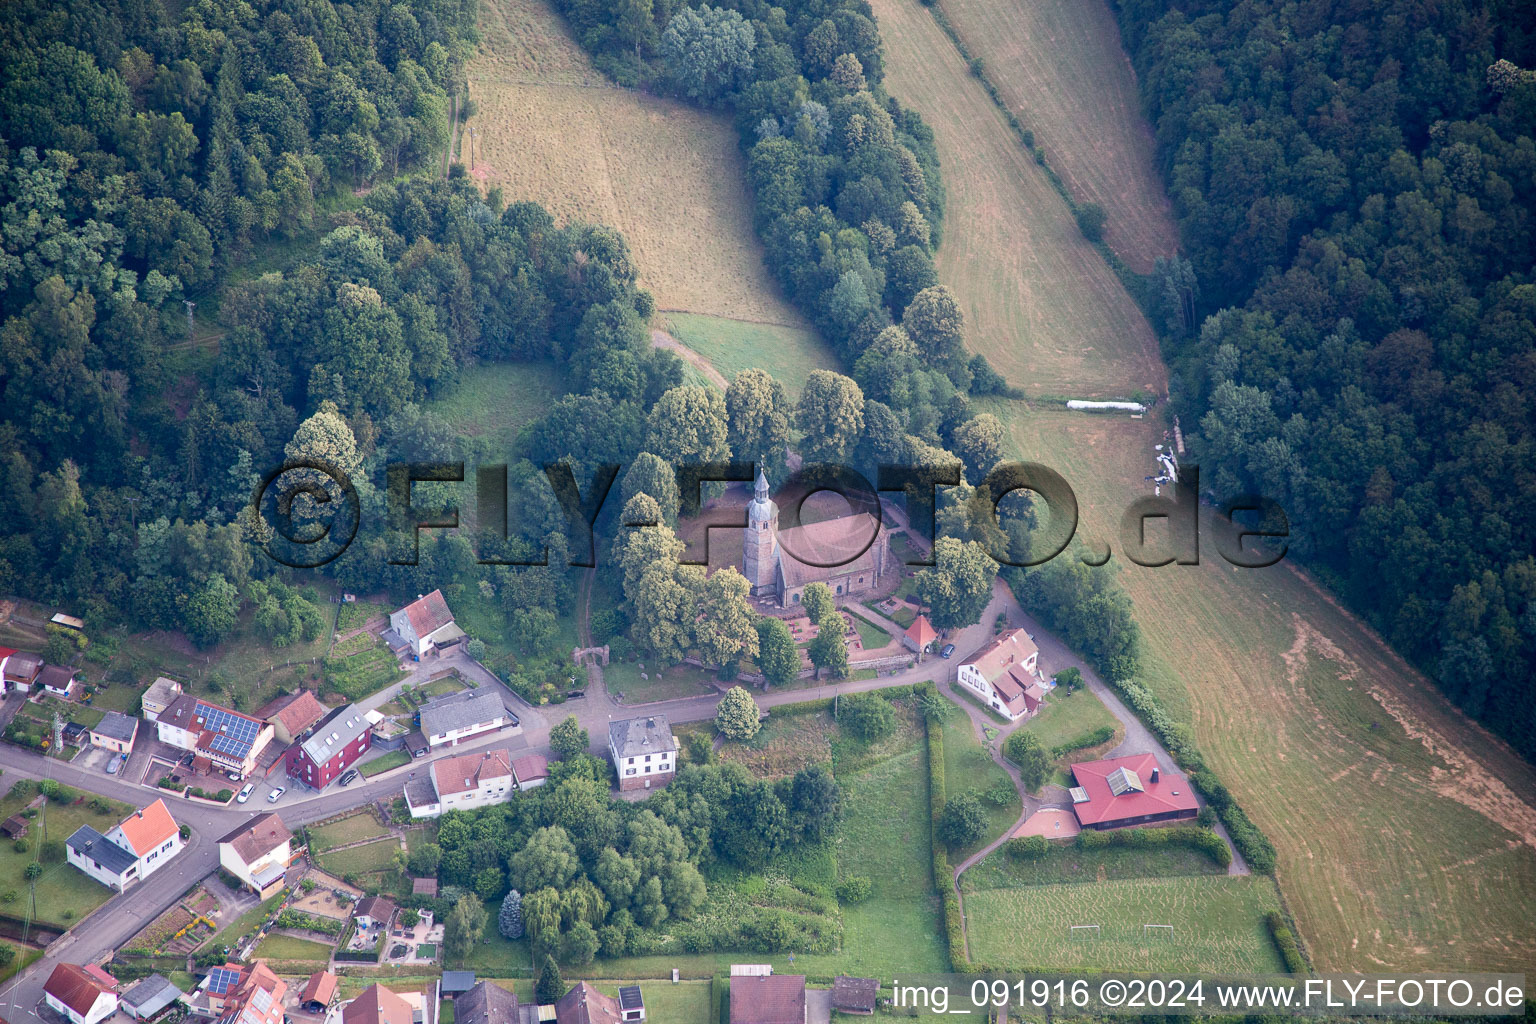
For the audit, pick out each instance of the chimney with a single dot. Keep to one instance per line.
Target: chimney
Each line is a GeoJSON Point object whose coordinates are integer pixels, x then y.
{"type": "Point", "coordinates": [1154, 774]}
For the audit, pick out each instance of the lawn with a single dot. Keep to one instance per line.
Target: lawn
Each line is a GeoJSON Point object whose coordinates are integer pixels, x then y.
{"type": "Point", "coordinates": [491, 403]}
{"type": "Point", "coordinates": [384, 762]}
{"type": "Point", "coordinates": [64, 893]}
{"type": "Point", "coordinates": [1060, 67]}
{"type": "Point", "coordinates": [494, 953]}
{"type": "Point", "coordinates": [677, 681]}
{"type": "Point", "coordinates": [968, 768]}
{"type": "Point", "coordinates": [361, 860]}
{"type": "Point", "coordinates": [870, 635]}
{"type": "Point", "coordinates": [360, 666]}
{"type": "Point", "coordinates": [244, 925]}
{"type": "Point", "coordinates": [554, 130]}
{"type": "Point", "coordinates": [287, 947]}
{"type": "Point", "coordinates": [353, 828]}
{"type": "Point", "coordinates": [789, 354]}
{"type": "Point", "coordinates": [1039, 300]}
{"type": "Point", "coordinates": [1218, 925]}
{"type": "Point", "coordinates": [1068, 716]}
{"type": "Point", "coordinates": [1066, 863]}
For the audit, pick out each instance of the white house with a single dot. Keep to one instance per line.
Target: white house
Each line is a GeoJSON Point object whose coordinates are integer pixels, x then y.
{"type": "Point", "coordinates": [462, 783]}
{"type": "Point", "coordinates": [423, 625]}
{"type": "Point", "coordinates": [258, 853]}
{"type": "Point", "coordinates": [159, 697]}
{"type": "Point", "coordinates": [450, 720]}
{"type": "Point", "coordinates": [82, 995]}
{"type": "Point", "coordinates": [643, 751]}
{"type": "Point", "coordinates": [1005, 674]}
{"type": "Point", "coordinates": [19, 669]}
{"type": "Point", "coordinates": [228, 740]}
{"type": "Point", "coordinates": [136, 848]}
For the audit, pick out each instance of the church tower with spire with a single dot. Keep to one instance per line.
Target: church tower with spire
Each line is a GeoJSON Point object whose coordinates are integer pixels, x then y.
{"type": "Point", "coordinates": [759, 553]}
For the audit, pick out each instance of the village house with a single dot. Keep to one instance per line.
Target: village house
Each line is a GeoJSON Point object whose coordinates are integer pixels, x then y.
{"type": "Point", "coordinates": [767, 998]}
{"type": "Point", "coordinates": [293, 716]}
{"type": "Point", "coordinates": [148, 997]}
{"type": "Point", "coordinates": [220, 739]}
{"type": "Point", "coordinates": [1005, 674]}
{"type": "Point", "coordinates": [424, 625]}
{"type": "Point", "coordinates": [530, 771]}
{"type": "Point", "coordinates": [59, 681]}
{"type": "Point", "coordinates": [158, 697]}
{"type": "Point", "coordinates": [488, 1003]}
{"type": "Point", "coordinates": [19, 669]}
{"type": "Point", "coordinates": [451, 719]}
{"type": "Point", "coordinates": [1131, 790]}
{"type": "Point", "coordinates": [334, 745]}
{"type": "Point", "coordinates": [643, 750]}
{"type": "Point", "coordinates": [373, 912]}
{"type": "Point", "coordinates": [462, 783]}
{"type": "Point", "coordinates": [136, 848]}
{"type": "Point", "coordinates": [258, 853]}
{"type": "Point", "coordinates": [378, 1005]}
{"type": "Point", "coordinates": [319, 992]}
{"type": "Point", "coordinates": [850, 554]}
{"type": "Point", "coordinates": [115, 732]}
{"type": "Point", "coordinates": [584, 1004]}
{"type": "Point", "coordinates": [82, 995]}
{"type": "Point", "coordinates": [854, 995]}
{"type": "Point", "coordinates": [257, 998]}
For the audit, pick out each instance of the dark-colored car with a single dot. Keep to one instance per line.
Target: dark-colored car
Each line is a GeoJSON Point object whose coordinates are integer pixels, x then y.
{"type": "Point", "coordinates": [948, 651]}
{"type": "Point", "coordinates": [348, 777]}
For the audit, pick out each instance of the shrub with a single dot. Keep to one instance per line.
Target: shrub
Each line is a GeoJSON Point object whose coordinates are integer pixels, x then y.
{"type": "Point", "coordinates": [962, 822]}
{"type": "Point", "coordinates": [866, 715]}
{"type": "Point", "coordinates": [21, 846]}
{"type": "Point", "coordinates": [1285, 942]}
{"type": "Point", "coordinates": [737, 716]}
{"type": "Point", "coordinates": [855, 889]}
{"type": "Point", "coordinates": [1027, 848]}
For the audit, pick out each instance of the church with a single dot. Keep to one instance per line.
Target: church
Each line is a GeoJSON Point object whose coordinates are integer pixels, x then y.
{"type": "Point", "coordinates": [771, 559]}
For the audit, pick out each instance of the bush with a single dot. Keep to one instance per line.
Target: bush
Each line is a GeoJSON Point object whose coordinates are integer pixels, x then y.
{"type": "Point", "coordinates": [21, 846]}
{"type": "Point", "coordinates": [963, 822]}
{"type": "Point", "coordinates": [855, 889]}
{"type": "Point", "coordinates": [737, 716]}
{"type": "Point", "coordinates": [1102, 734]}
{"type": "Point", "coordinates": [866, 716]}
{"type": "Point", "coordinates": [1285, 942]}
{"type": "Point", "coordinates": [1027, 848]}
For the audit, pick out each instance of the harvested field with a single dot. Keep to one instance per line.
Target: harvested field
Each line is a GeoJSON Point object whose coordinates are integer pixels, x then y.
{"type": "Point", "coordinates": [1061, 69]}
{"type": "Point", "coordinates": [551, 128]}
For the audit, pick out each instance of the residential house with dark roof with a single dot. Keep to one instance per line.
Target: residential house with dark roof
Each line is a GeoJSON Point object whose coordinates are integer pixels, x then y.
{"type": "Point", "coordinates": [488, 1003]}
{"type": "Point", "coordinates": [19, 669]}
{"type": "Point", "coordinates": [584, 1004]}
{"type": "Point", "coordinates": [424, 625]}
{"type": "Point", "coordinates": [451, 719]}
{"type": "Point", "coordinates": [644, 751]}
{"type": "Point", "coordinates": [1005, 674]}
{"type": "Point", "coordinates": [631, 1004]}
{"type": "Point", "coordinates": [373, 912]}
{"type": "Point", "coordinates": [226, 740]}
{"type": "Point", "coordinates": [462, 783]}
{"type": "Point", "coordinates": [1131, 790]}
{"type": "Point", "coordinates": [59, 680]}
{"type": "Point", "coordinates": [768, 999]}
{"type": "Point", "coordinates": [854, 995]}
{"type": "Point", "coordinates": [333, 746]}
{"type": "Point", "coordinates": [115, 732]}
{"type": "Point", "coordinates": [148, 997]}
{"type": "Point", "coordinates": [293, 716]}
{"type": "Point", "coordinates": [80, 995]}
{"type": "Point", "coordinates": [258, 853]}
{"type": "Point", "coordinates": [136, 848]}
{"type": "Point", "coordinates": [158, 697]}
{"type": "Point", "coordinates": [378, 1005]}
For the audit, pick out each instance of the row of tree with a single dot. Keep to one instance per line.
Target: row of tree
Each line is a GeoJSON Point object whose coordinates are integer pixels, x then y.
{"type": "Point", "coordinates": [1354, 184]}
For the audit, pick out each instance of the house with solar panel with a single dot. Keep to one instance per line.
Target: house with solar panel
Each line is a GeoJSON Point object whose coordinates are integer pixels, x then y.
{"type": "Point", "coordinates": [220, 739]}
{"type": "Point", "coordinates": [141, 844]}
{"type": "Point", "coordinates": [424, 625]}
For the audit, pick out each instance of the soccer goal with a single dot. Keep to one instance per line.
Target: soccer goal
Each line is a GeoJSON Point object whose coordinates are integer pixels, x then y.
{"type": "Point", "coordinates": [1084, 931]}
{"type": "Point", "coordinates": [1157, 931]}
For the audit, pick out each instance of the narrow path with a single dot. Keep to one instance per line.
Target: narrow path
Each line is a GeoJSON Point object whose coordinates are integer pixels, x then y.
{"type": "Point", "coordinates": [661, 339]}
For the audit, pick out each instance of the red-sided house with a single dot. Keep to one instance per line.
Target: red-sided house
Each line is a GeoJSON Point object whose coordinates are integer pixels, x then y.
{"type": "Point", "coordinates": [331, 748]}
{"type": "Point", "coordinates": [1131, 790]}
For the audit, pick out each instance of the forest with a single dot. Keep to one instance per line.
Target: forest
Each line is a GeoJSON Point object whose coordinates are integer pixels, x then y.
{"type": "Point", "coordinates": [1353, 328]}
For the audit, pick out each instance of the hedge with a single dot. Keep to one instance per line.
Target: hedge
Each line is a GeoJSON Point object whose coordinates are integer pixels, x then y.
{"type": "Point", "coordinates": [943, 877]}
{"type": "Point", "coordinates": [1285, 942]}
{"type": "Point", "coordinates": [1102, 734]}
{"type": "Point", "coordinates": [1202, 839]}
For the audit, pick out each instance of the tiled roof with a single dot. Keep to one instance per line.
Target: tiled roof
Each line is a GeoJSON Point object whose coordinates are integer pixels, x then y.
{"type": "Point", "coordinates": [117, 726]}
{"type": "Point", "coordinates": [296, 712]}
{"type": "Point", "coordinates": [428, 613]}
{"type": "Point", "coordinates": [1169, 793]}
{"type": "Point", "coordinates": [584, 1004]}
{"type": "Point", "coordinates": [775, 999]}
{"type": "Point", "coordinates": [23, 666]}
{"type": "Point", "coordinates": [485, 1004]}
{"type": "Point", "coordinates": [530, 767]}
{"type": "Point", "coordinates": [377, 1005]}
{"type": "Point", "coordinates": [464, 774]}
{"type": "Point", "coordinates": [376, 907]}
{"type": "Point", "coordinates": [89, 843]}
{"type": "Point", "coordinates": [1011, 648]}
{"type": "Point", "coordinates": [71, 985]}
{"type": "Point", "coordinates": [829, 544]}
{"type": "Point", "coordinates": [634, 736]}
{"type": "Point", "coordinates": [921, 632]}
{"type": "Point", "coordinates": [147, 829]}
{"type": "Point", "coordinates": [321, 988]}
{"type": "Point", "coordinates": [55, 676]}
{"type": "Point", "coordinates": [220, 730]}
{"type": "Point", "coordinates": [151, 995]}
{"type": "Point", "coordinates": [258, 837]}
{"type": "Point", "coordinates": [460, 711]}
{"type": "Point", "coordinates": [854, 993]}
{"type": "Point", "coordinates": [423, 887]}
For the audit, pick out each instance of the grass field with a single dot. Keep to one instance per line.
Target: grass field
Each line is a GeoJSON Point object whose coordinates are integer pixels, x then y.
{"type": "Point", "coordinates": [361, 860]}
{"type": "Point", "coordinates": [64, 893]}
{"type": "Point", "coordinates": [1066, 863]}
{"type": "Point", "coordinates": [789, 354]}
{"type": "Point", "coordinates": [968, 768]}
{"type": "Point", "coordinates": [1066, 717]}
{"type": "Point", "coordinates": [670, 177]}
{"type": "Point", "coordinates": [677, 681]}
{"type": "Point", "coordinates": [352, 829]}
{"type": "Point", "coordinates": [494, 400]}
{"type": "Point", "coordinates": [287, 947]}
{"type": "Point", "coordinates": [1218, 925]}
{"type": "Point", "coordinates": [1060, 67]}
{"type": "Point", "coordinates": [1405, 834]}
{"type": "Point", "coordinates": [1039, 301]}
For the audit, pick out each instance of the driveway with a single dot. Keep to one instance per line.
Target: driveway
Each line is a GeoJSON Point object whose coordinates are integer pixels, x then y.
{"type": "Point", "coordinates": [818, 1006]}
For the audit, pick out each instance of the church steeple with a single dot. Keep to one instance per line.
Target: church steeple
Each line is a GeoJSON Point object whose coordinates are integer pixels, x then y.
{"type": "Point", "coordinates": [759, 561]}
{"type": "Point", "coordinates": [760, 493]}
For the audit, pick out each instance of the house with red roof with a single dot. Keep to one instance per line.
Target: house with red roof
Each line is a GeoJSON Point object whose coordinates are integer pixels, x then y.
{"type": "Point", "coordinates": [919, 635]}
{"type": "Point", "coordinates": [1005, 674]}
{"type": "Point", "coordinates": [218, 737]}
{"type": "Point", "coordinates": [768, 999]}
{"type": "Point", "coordinates": [424, 625]}
{"type": "Point", "coordinates": [1131, 790]}
{"type": "Point", "coordinates": [256, 998]}
{"type": "Point", "coordinates": [378, 1005]}
{"type": "Point", "coordinates": [136, 848]}
{"type": "Point", "coordinates": [292, 717]}
{"type": "Point", "coordinates": [462, 783]}
{"type": "Point", "coordinates": [80, 994]}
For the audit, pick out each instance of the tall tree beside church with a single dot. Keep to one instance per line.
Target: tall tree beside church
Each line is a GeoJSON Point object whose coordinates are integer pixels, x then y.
{"type": "Point", "coordinates": [725, 633]}
{"type": "Point", "coordinates": [758, 415]}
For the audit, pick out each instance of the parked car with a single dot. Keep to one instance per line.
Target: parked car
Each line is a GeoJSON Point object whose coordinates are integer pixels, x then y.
{"type": "Point", "coordinates": [277, 791]}
{"type": "Point", "coordinates": [948, 651]}
{"type": "Point", "coordinates": [113, 765]}
{"type": "Point", "coordinates": [245, 794]}
{"type": "Point", "coordinates": [348, 777]}
{"type": "Point", "coordinates": [232, 776]}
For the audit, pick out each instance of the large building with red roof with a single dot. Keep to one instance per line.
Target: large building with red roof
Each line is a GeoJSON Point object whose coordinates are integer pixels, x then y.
{"type": "Point", "coordinates": [136, 848]}
{"type": "Point", "coordinates": [462, 783]}
{"type": "Point", "coordinates": [1005, 674]}
{"type": "Point", "coordinates": [82, 995]}
{"type": "Point", "coordinates": [1131, 790]}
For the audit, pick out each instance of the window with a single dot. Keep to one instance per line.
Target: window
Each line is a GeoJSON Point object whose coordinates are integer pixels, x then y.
{"type": "Point", "coordinates": [647, 758]}
{"type": "Point", "coordinates": [630, 761]}
{"type": "Point", "coordinates": [629, 771]}
{"type": "Point", "coordinates": [796, 599]}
